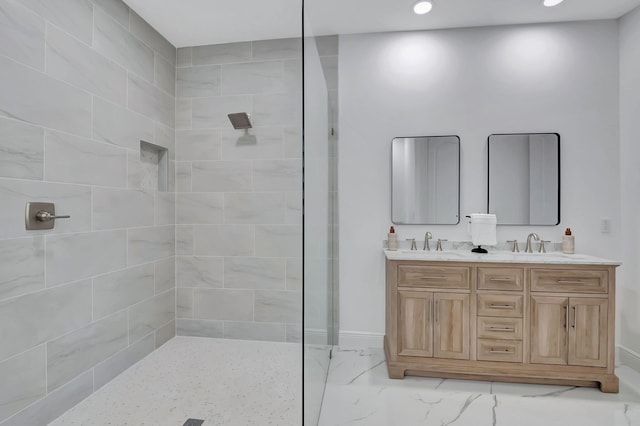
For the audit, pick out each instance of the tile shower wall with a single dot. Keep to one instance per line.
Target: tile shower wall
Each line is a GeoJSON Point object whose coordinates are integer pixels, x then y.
{"type": "Point", "coordinates": [82, 83]}
{"type": "Point", "coordinates": [239, 199]}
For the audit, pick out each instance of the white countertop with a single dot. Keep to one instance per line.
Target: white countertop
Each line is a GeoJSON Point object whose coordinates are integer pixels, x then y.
{"type": "Point", "coordinates": [498, 257]}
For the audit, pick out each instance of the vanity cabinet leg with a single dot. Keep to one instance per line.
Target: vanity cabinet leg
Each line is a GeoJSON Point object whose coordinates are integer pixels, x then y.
{"type": "Point", "coordinates": [395, 372]}
{"type": "Point", "coordinates": [610, 384]}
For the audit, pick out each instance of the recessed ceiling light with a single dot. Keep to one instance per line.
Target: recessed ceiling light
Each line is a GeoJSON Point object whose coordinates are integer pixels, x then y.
{"type": "Point", "coordinates": [551, 3]}
{"type": "Point", "coordinates": [423, 7]}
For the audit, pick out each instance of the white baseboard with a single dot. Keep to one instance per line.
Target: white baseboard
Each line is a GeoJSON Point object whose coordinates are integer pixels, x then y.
{"type": "Point", "coordinates": [628, 357]}
{"type": "Point", "coordinates": [360, 339]}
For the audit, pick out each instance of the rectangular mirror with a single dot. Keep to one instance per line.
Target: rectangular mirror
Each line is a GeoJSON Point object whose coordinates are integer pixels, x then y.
{"type": "Point", "coordinates": [524, 178]}
{"type": "Point", "coordinates": [425, 180]}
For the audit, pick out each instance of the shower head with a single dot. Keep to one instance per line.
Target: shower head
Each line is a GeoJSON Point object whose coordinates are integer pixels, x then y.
{"type": "Point", "coordinates": [240, 120]}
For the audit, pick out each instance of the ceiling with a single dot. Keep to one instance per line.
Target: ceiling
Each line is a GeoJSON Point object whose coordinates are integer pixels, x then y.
{"type": "Point", "coordinates": [200, 22]}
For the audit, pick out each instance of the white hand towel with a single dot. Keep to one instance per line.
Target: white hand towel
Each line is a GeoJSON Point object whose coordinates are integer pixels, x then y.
{"type": "Point", "coordinates": [483, 229]}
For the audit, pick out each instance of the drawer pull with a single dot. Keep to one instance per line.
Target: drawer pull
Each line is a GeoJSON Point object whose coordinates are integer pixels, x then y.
{"type": "Point", "coordinates": [570, 282]}
{"type": "Point", "coordinates": [493, 306]}
{"type": "Point", "coordinates": [505, 279]}
{"type": "Point", "coordinates": [508, 329]}
{"type": "Point", "coordinates": [500, 351]}
{"type": "Point", "coordinates": [433, 277]}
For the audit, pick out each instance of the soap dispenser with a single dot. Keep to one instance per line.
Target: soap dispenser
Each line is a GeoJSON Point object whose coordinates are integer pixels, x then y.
{"type": "Point", "coordinates": [568, 243]}
{"type": "Point", "coordinates": [392, 240]}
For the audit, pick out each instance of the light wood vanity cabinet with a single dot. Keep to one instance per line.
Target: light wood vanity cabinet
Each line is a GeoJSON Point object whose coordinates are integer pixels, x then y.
{"type": "Point", "coordinates": [533, 323]}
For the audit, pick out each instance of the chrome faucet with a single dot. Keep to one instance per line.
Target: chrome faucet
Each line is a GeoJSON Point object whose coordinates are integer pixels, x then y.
{"type": "Point", "coordinates": [535, 237]}
{"type": "Point", "coordinates": [439, 245]}
{"type": "Point", "coordinates": [427, 237]}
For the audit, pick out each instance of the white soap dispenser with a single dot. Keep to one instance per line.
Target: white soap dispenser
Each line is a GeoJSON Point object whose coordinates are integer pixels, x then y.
{"type": "Point", "coordinates": [568, 242]}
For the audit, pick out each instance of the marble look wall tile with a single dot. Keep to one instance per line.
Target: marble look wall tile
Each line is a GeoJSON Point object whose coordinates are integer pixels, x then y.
{"type": "Point", "coordinates": [254, 273]}
{"type": "Point", "coordinates": [277, 175]}
{"type": "Point", "coordinates": [108, 369]}
{"type": "Point", "coordinates": [165, 137]}
{"type": "Point", "coordinates": [184, 302]}
{"type": "Point", "coordinates": [22, 266]}
{"type": "Point", "coordinates": [221, 53]}
{"type": "Point", "coordinates": [280, 109]}
{"type": "Point", "coordinates": [117, 44]}
{"type": "Point", "coordinates": [165, 208]}
{"type": "Point", "coordinates": [76, 63]}
{"type": "Point", "coordinates": [205, 272]}
{"type": "Point", "coordinates": [292, 142]}
{"type": "Point", "coordinates": [145, 32]}
{"type": "Point", "coordinates": [294, 274]}
{"type": "Point", "coordinates": [183, 114]}
{"type": "Point", "coordinates": [118, 290]}
{"type": "Point", "coordinates": [293, 333]}
{"type": "Point", "coordinates": [72, 257]}
{"type": "Point", "coordinates": [293, 79]}
{"type": "Point", "coordinates": [193, 145]}
{"type": "Point", "coordinates": [184, 239]}
{"type": "Point", "coordinates": [328, 45]}
{"type": "Point", "coordinates": [224, 240]}
{"type": "Point", "coordinates": [117, 9]}
{"type": "Point", "coordinates": [285, 48]}
{"type": "Point", "coordinates": [73, 16]}
{"type": "Point", "coordinates": [23, 381]}
{"type": "Point", "coordinates": [22, 34]}
{"type": "Point", "coordinates": [165, 75]}
{"type": "Point", "coordinates": [294, 208]}
{"type": "Point", "coordinates": [236, 305]}
{"type": "Point", "coordinates": [149, 244]}
{"type": "Point", "coordinates": [121, 208]}
{"type": "Point", "coordinates": [183, 57]}
{"type": "Point", "coordinates": [265, 142]}
{"type": "Point", "coordinates": [252, 78]}
{"type": "Point", "coordinates": [55, 403]}
{"type": "Point", "coordinates": [165, 274]}
{"type": "Point", "coordinates": [35, 318]}
{"type": "Point", "coordinates": [221, 176]}
{"type": "Point", "coordinates": [69, 199]}
{"type": "Point", "coordinates": [278, 240]}
{"type": "Point", "coordinates": [207, 113]}
{"type": "Point", "coordinates": [134, 180]}
{"type": "Point", "coordinates": [35, 98]}
{"type": "Point", "coordinates": [279, 306]}
{"type": "Point", "coordinates": [254, 331]}
{"type": "Point", "coordinates": [199, 208]}
{"type": "Point", "coordinates": [183, 176]}
{"type": "Point", "coordinates": [131, 128]}
{"type": "Point", "coordinates": [21, 150]}
{"type": "Point", "coordinates": [73, 353]}
{"type": "Point", "coordinates": [171, 176]}
{"type": "Point", "coordinates": [254, 208]}
{"type": "Point", "coordinates": [152, 314]}
{"type": "Point", "coordinates": [165, 333]}
{"type": "Point", "coordinates": [200, 328]}
{"type": "Point", "coordinates": [148, 100]}
{"type": "Point", "coordinates": [77, 160]}
{"type": "Point", "coordinates": [198, 82]}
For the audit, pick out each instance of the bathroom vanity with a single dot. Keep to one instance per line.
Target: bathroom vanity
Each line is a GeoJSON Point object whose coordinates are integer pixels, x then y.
{"type": "Point", "coordinates": [513, 317]}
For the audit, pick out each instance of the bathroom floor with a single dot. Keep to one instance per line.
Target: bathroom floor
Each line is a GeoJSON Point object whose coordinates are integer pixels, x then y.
{"type": "Point", "coordinates": [359, 392]}
{"type": "Point", "coordinates": [223, 382]}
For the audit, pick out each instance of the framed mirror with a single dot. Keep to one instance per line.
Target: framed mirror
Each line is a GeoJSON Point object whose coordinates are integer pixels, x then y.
{"type": "Point", "coordinates": [425, 180]}
{"type": "Point", "coordinates": [524, 178]}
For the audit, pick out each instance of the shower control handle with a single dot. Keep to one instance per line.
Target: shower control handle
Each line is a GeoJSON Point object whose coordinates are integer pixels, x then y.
{"type": "Point", "coordinates": [45, 216]}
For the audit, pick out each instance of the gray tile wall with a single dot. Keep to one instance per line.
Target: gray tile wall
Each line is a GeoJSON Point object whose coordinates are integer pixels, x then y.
{"type": "Point", "coordinates": [239, 199]}
{"type": "Point", "coordinates": [82, 82]}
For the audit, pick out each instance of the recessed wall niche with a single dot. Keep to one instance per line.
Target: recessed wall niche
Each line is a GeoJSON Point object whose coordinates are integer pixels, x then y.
{"type": "Point", "coordinates": [154, 165]}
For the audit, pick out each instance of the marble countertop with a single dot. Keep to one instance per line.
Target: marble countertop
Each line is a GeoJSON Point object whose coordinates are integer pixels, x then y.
{"type": "Point", "coordinates": [499, 257]}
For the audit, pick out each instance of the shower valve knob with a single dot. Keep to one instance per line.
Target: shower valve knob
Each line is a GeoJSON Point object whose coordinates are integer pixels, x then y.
{"type": "Point", "coordinates": [45, 216]}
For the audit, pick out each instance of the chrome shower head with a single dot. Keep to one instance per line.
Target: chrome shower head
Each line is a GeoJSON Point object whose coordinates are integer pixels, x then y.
{"type": "Point", "coordinates": [240, 120]}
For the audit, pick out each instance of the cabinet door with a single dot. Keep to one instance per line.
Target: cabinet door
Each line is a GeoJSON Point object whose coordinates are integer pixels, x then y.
{"type": "Point", "coordinates": [588, 331]}
{"type": "Point", "coordinates": [549, 322]}
{"type": "Point", "coordinates": [451, 328]}
{"type": "Point", "coordinates": [415, 323]}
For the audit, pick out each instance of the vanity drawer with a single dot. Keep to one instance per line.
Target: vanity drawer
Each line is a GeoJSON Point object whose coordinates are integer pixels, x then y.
{"type": "Point", "coordinates": [499, 350]}
{"type": "Point", "coordinates": [500, 328]}
{"type": "Point", "coordinates": [433, 276]}
{"type": "Point", "coordinates": [500, 305]}
{"type": "Point", "coordinates": [501, 279]}
{"type": "Point", "coordinates": [570, 280]}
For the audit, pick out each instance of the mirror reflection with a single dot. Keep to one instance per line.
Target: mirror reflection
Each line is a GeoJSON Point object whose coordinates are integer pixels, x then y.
{"type": "Point", "coordinates": [524, 178]}
{"type": "Point", "coordinates": [425, 180]}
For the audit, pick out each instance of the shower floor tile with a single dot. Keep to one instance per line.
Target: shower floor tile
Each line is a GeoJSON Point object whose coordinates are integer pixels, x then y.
{"type": "Point", "coordinates": [221, 381]}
